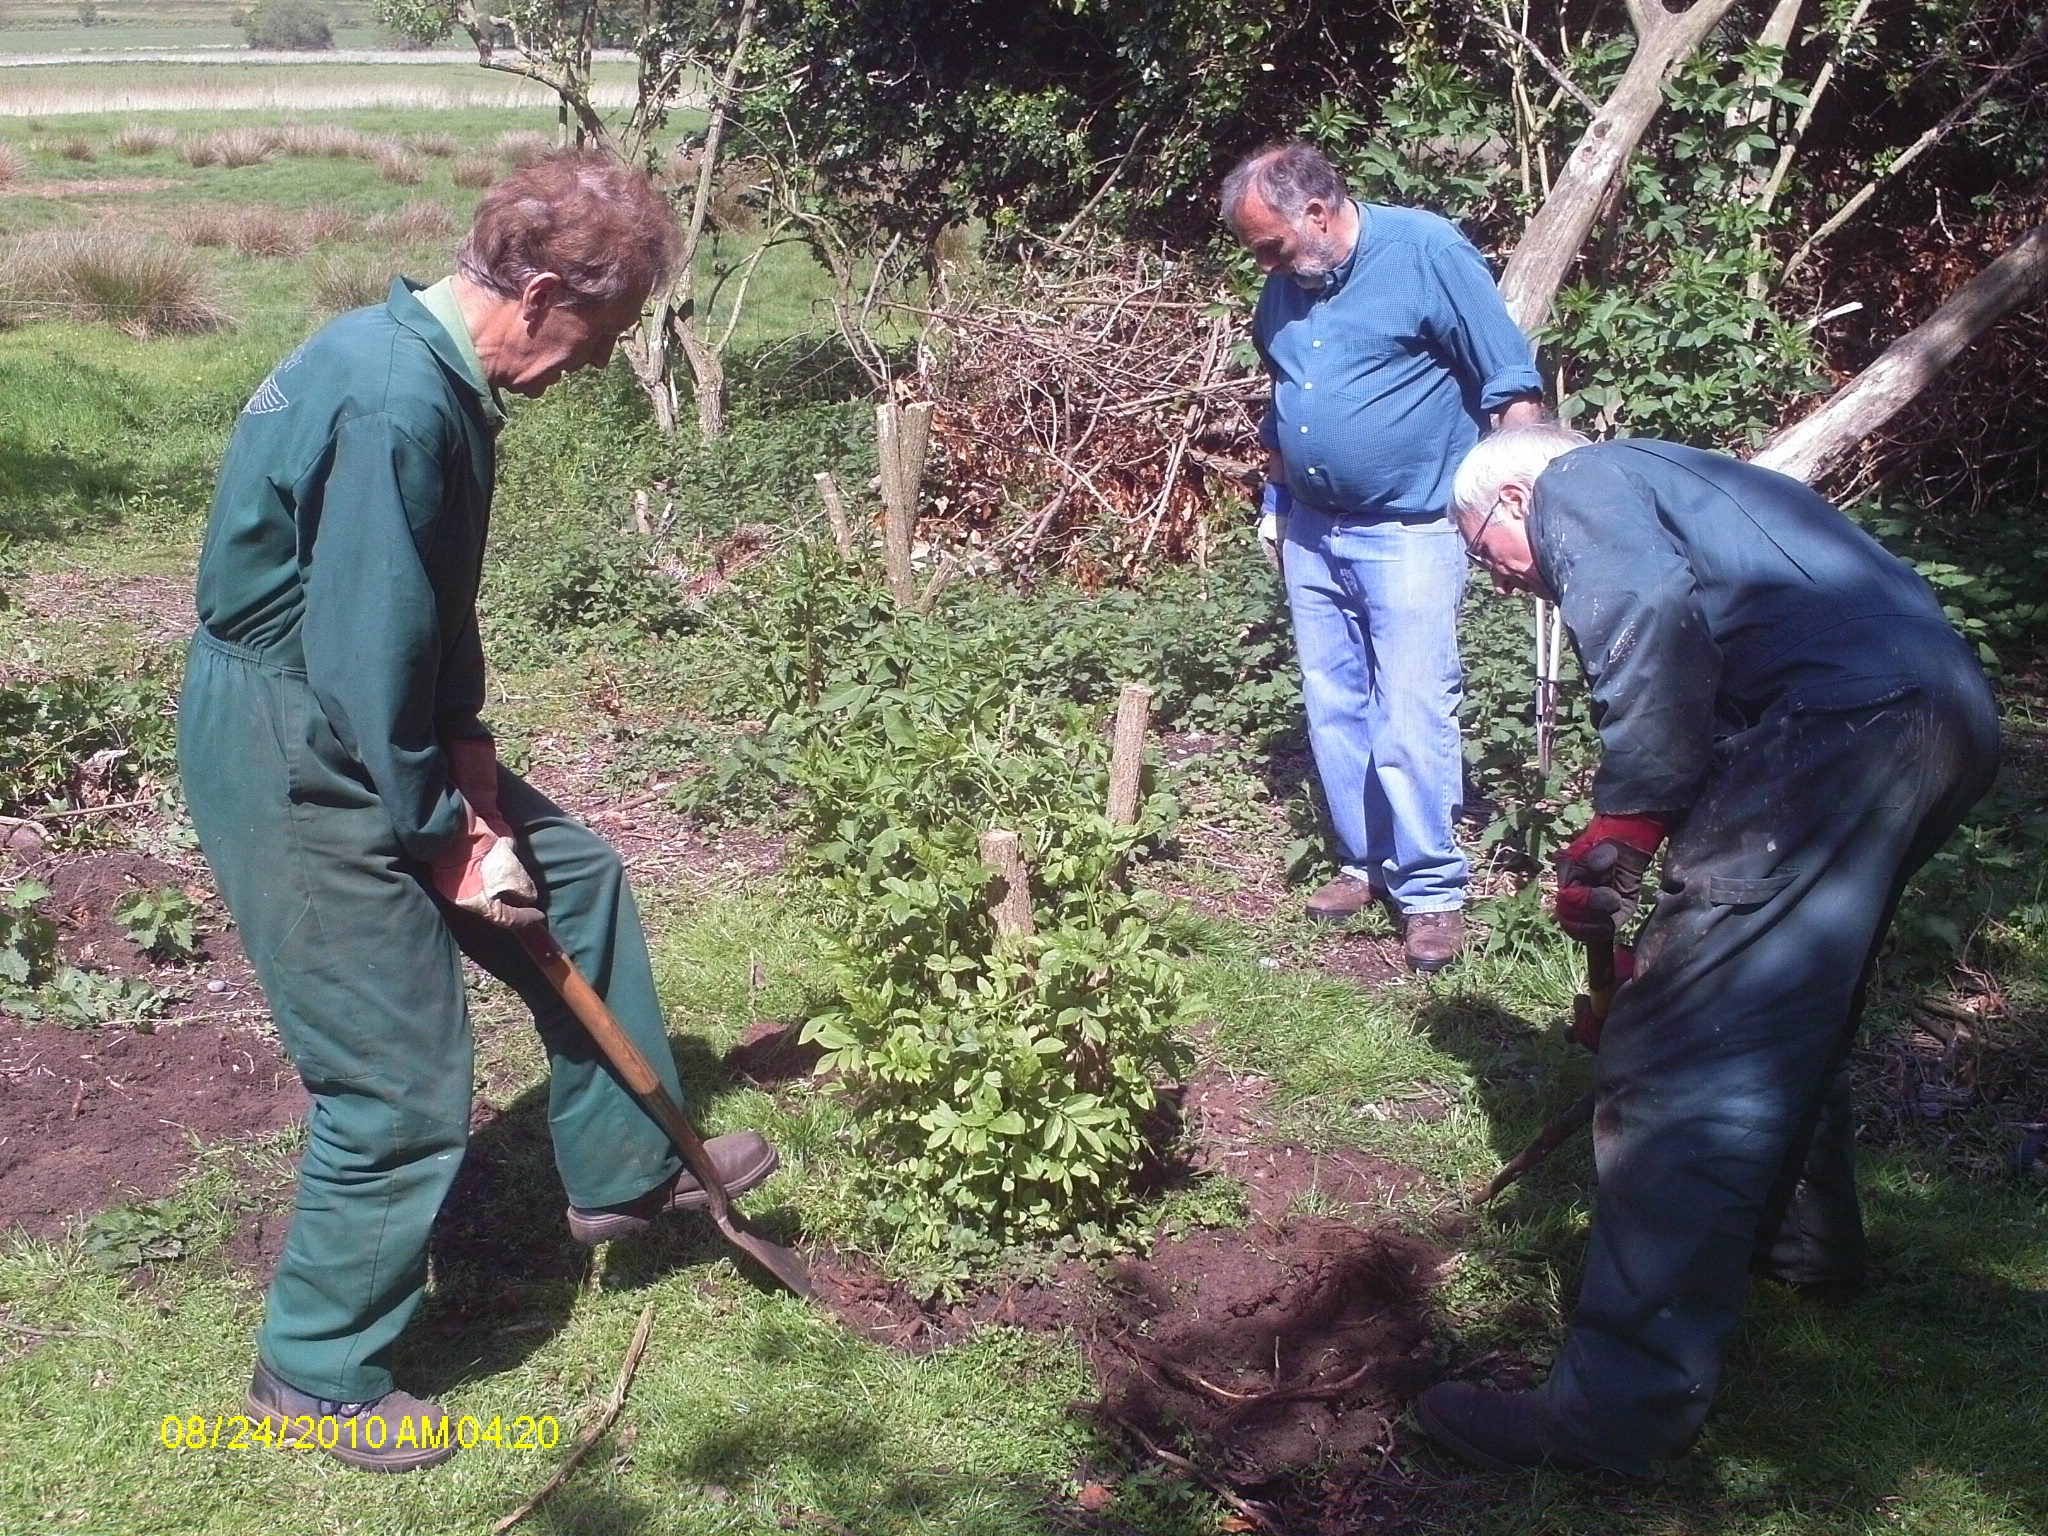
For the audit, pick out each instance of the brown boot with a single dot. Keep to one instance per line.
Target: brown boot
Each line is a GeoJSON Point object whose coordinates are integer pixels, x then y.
{"type": "Point", "coordinates": [743, 1159]}
{"type": "Point", "coordinates": [396, 1433]}
{"type": "Point", "coordinates": [1343, 899]}
{"type": "Point", "coordinates": [1432, 940]}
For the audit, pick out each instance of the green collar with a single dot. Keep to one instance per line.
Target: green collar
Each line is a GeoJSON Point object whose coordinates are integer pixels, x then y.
{"type": "Point", "coordinates": [451, 340]}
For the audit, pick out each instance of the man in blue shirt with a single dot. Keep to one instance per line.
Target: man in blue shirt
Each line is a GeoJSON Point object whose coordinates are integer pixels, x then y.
{"type": "Point", "coordinates": [1390, 352]}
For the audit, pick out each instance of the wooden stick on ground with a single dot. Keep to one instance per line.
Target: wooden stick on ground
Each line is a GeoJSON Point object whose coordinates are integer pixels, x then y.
{"type": "Point", "coordinates": [1245, 1508]}
{"type": "Point", "coordinates": [596, 1429]}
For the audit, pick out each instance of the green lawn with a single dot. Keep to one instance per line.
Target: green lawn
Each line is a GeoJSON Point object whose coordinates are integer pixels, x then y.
{"type": "Point", "coordinates": [1919, 1410]}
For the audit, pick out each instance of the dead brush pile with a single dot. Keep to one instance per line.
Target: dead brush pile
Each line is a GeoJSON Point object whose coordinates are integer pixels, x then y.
{"type": "Point", "coordinates": [1091, 407]}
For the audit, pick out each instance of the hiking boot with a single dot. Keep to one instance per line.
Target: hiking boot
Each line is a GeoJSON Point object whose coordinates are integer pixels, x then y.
{"type": "Point", "coordinates": [1432, 940]}
{"type": "Point", "coordinates": [1343, 899]}
{"type": "Point", "coordinates": [1502, 1431]}
{"type": "Point", "coordinates": [394, 1433]}
{"type": "Point", "coordinates": [743, 1160]}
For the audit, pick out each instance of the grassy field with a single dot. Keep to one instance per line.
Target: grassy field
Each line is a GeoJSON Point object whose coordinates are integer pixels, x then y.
{"type": "Point", "coordinates": [1921, 1409]}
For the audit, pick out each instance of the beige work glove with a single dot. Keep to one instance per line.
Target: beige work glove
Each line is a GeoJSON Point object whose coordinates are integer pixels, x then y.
{"type": "Point", "coordinates": [480, 871]}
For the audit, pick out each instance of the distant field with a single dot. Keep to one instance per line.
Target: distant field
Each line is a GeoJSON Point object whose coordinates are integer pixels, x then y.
{"type": "Point", "coordinates": [452, 83]}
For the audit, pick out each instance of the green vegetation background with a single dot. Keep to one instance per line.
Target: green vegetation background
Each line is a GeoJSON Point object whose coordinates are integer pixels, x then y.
{"type": "Point", "coordinates": [1923, 1409]}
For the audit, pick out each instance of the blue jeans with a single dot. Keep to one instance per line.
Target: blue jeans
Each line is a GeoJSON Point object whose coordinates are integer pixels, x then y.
{"type": "Point", "coordinates": [1375, 608]}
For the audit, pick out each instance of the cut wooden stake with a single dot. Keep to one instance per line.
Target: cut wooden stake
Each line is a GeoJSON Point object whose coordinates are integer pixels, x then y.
{"type": "Point", "coordinates": [902, 437]}
{"type": "Point", "coordinates": [1009, 892]}
{"type": "Point", "coordinates": [835, 509]}
{"type": "Point", "coordinates": [1127, 758]}
{"type": "Point", "coordinates": [595, 1431]}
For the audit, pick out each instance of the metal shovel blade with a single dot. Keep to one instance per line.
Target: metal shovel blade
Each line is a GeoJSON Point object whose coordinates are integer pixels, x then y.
{"type": "Point", "coordinates": [640, 1076]}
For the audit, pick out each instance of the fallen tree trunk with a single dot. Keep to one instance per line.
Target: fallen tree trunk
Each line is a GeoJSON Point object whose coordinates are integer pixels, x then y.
{"type": "Point", "coordinates": [1812, 449]}
{"type": "Point", "coordinates": [1664, 40]}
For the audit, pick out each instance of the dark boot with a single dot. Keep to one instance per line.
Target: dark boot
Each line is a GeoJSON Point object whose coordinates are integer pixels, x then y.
{"type": "Point", "coordinates": [395, 1433]}
{"type": "Point", "coordinates": [743, 1160]}
{"type": "Point", "coordinates": [1502, 1431]}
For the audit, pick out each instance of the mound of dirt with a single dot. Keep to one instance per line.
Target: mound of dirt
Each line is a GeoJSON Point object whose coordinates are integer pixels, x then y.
{"type": "Point", "coordinates": [1267, 1351]}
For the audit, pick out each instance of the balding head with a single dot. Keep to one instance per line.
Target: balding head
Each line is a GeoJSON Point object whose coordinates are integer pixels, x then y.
{"type": "Point", "coordinates": [1286, 178]}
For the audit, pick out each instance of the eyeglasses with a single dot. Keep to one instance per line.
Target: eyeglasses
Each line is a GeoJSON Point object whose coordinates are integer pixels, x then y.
{"type": "Point", "coordinates": [1472, 544]}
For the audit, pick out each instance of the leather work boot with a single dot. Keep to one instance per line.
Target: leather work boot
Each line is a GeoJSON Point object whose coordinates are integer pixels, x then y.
{"type": "Point", "coordinates": [396, 1433]}
{"type": "Point", "coordinates": [1503, 1431]}
{"type": "Point", "coordinates": [1432, 940]}
{"type": "Point", "coordinates": [1343, 899]}
{"type": "Point", "coordinates": [743, 1160]}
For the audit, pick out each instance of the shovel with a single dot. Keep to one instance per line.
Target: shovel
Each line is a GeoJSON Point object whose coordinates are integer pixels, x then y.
{"type": "Point", "coordinates": [1600, 985]}
{"type": "Point", "coordinates": [639, 1076]}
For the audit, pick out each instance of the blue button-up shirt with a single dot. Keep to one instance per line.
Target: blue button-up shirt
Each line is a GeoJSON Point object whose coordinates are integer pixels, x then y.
{"type": "Point", "coordinates": [1383, 381]}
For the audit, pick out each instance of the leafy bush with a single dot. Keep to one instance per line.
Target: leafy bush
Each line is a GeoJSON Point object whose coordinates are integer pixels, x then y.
{"type": "Point", "coordinates": [1000, 1084]}
{"type": "Point", "coordinates": [300, 25]}
{"type": "Point", "coordinates": [162, 922]}
{"type": "Point", "coordinates": [127, 1237]}
{"type": "Point", "coordinates": [28, 940]}
{"type": "Point", "coordinates": [50, 730]}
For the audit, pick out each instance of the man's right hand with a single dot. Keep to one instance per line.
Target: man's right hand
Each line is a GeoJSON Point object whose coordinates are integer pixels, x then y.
{"type": "Point", "coordinates": [1274, 505]}
{"type": "Point", "coordinates": [481, 871]}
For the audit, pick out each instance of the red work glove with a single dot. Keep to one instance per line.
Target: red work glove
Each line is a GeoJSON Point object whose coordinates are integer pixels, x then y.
{"type": "Point", "coordinates": [480, 870]}
{"type": "Point", "coordinates": [1600, 876]}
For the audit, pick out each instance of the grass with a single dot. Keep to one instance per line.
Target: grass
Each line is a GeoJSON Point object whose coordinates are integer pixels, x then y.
{"type": "Point", "coordinates": [1919, 1410]}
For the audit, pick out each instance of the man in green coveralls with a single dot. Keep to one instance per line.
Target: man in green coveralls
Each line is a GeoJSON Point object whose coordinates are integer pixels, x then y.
{"type": "Point", "coordinates": [351, 803]}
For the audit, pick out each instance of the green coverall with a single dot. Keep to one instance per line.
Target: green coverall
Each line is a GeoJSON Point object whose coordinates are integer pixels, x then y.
{"type": "Point", "coordinates": [337, 647]}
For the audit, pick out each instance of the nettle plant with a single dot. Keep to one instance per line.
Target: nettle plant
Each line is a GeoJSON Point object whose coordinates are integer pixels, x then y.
{"type": "Point", "coordinates": [1001, 1083]}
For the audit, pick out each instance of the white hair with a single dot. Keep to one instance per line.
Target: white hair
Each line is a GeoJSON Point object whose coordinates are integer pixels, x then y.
{"type": "Point", "coordinates": [1513, 453]}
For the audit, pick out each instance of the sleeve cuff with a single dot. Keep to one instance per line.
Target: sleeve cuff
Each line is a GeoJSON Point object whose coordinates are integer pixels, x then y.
{"type": "Point", "coordinates": [1509, 385]}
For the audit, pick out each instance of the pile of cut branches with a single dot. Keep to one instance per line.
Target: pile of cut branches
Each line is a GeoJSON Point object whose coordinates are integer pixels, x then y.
{"type": "Point", "coordinates": [1093, 408]}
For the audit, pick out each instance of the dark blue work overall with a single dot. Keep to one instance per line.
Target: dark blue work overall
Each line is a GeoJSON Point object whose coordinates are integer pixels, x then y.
{"type": "Point", "coordinates": [1790, 697]}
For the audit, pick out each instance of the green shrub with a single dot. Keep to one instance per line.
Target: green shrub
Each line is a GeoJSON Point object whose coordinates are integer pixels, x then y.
{"type": "Point", "coordinates": [300, 25]}
{"type": "Point", "coordinates": [50, 730]}
{"type": "Point", "coordinates": [1000, 1085]}
{"type": "Point", "coordinates": [28, 940]}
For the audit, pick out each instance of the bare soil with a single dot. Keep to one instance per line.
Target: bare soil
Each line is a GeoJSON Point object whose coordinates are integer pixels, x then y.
{"type": "Point", "coordinates": [89, 1118]}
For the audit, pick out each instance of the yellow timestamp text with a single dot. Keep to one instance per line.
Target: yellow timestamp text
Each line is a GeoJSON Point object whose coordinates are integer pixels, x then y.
{"type": "Point", "coordinates": [327, 1432]}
